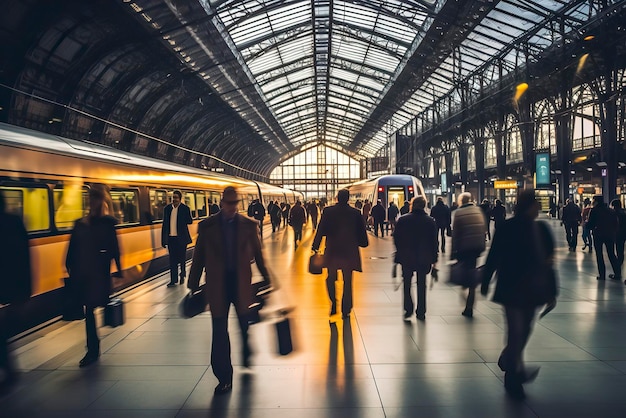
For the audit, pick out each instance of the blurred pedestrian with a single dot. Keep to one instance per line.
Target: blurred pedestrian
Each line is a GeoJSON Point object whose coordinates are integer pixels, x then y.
{"type": "Point", "coordinates": [587, 240]}
{"type": "Point", "coordinates": [314, 213]}
{"type": "Point", "coordinates": [175, 236]}
{"type": "Point", "coordinates": [392, 216]}
{"type": "Point", "coordinates": [468, 242]}
{"type": "Point", "coordinates": [603, 224]}
{"type": "Point", "coordinates": [571, 218]}
{"type": "Point", "coordinates": [416, 251]}
{"type": "Point", "coordinates": [226, 247]}
{"type": "Point", "coordinates": [443, 218]}
{"type": "Point", "coordinates": [620, 237]}
{"type": "Point", "coordinates": [344, 229]}
{"type": "Point", "coordinates": [297, 219]}
{"type": "Point", "coordinates": [367, 208]}
{"type": "Point", "coordinates": [15, 285]}
{"type": "Point", "coordinates": [275, 215]}
{"type": "Point", "coordinates": [498, 214]}
{"type": "Point", "coordinates": [378, 215]}
{"type": "Point", "coordinates": [405, 208]}
{"type": "Point", "coordinates": [522, 255]}
{"type": "Point", "coordinates": [485, 207]}
{"type": "Point", "coordinates": [257, 211]}
{"type": "Point", "coordinates": [93, 244]}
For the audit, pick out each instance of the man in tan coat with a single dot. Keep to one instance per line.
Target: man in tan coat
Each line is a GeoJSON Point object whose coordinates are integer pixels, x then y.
{"type": "Point", "coordinates": [227, 244]}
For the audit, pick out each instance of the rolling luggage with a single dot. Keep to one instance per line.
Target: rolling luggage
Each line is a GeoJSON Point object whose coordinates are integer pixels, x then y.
{"type": "Point", "coordinates": [114, 313]}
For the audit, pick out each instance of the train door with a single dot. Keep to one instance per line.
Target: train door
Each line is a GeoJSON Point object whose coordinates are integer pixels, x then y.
{"type": "Point", "coordinates": [396, 194]}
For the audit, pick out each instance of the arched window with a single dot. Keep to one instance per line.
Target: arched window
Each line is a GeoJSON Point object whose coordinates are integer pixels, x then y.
{"type": "Point", "coordinates": [317, 172]}
{"type": "Point", "coordinates": [491, 156]}
{"type": "Point", "coordinates": [545, 134]}
{"type": "Point", "coordinates": [471, 158]}
{"type": "Point", "coordinates": [586, 122]}
{"type": "Point", "coordinates": [456, 162]}
{"type": "Point", "coordinates": [513, 141]}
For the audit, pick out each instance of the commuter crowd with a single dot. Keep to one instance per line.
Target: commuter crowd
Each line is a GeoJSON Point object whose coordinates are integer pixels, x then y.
{"type": "Point", "coordinates": [521, 254]}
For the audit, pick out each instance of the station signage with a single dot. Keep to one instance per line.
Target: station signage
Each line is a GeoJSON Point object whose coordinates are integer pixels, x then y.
{"type": "Point", "coordinates": [542, 170]}
{"type": "Point", "coordinates": [505, 184]}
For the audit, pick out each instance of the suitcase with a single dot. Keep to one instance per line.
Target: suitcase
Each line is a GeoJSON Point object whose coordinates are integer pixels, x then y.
{"type": "Point", "coordinates": [283, 333]}
{"type": "Point", "coordinates": [114, 313]}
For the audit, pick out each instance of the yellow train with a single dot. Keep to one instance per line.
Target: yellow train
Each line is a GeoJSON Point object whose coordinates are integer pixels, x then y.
{"type": "Point", "coordinates": [45, 180]}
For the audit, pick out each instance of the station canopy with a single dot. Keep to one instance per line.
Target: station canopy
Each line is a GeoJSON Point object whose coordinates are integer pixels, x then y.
{"type": "Point", "coordinates": [338, 71]}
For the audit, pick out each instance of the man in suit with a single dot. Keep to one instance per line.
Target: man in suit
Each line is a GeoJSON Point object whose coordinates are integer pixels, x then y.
{"type": "Point", "coordinates": [227, 244]}
{"type": "Point", "coordinates": [416, 251]}
{"type": "Point", "coordinates": [344, 229]}
{"type": "Point", "coordinates": [175, 235]}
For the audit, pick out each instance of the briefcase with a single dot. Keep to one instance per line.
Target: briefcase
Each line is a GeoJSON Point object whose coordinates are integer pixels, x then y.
{"type": "Point", "coordinates": [283, 333]}
{"type": "Point", "coordinates": [114, 313]}
{"type": "Point", "coordinates": [193, 303]}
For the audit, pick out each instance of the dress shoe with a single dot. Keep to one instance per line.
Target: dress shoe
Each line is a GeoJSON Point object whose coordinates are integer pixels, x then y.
{"type": "Point", "coordinates": [223, 388]}
{"type": "Point", "coordinates": [88, 360]}
{"type": "Point", "coordinates": [421, 317]}
{"type": "Point", "coordinates": [182, 281]}
{"type": "Point", "coordinates": [469, 313]}
{"type": "Point", "coordinates": [171, 284]}
{"type": "Point", "coordinates": [407, 316]}
{"type": "Point", "coordinates": [513, 386]}
{"type": "Point", "coordinates": [614, 277]}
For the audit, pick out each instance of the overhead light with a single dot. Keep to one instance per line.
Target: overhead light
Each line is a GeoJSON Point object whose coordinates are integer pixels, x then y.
{"type": "Point", "coordinates": [589, 169]}
{"type": "Point", "coordinates": [601, 164]}
{"type": "Point", "coordinates": [589, 38]}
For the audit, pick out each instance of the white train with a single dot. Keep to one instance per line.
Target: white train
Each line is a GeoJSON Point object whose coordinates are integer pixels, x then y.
{"type": "Point", "coordinates": [396, 188]}
{"type": "Point", "coordinates": [45, 180]}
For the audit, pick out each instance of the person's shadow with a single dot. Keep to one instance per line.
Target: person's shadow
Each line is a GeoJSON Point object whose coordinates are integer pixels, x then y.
{"type": "Point", "coordinates": [341, 374]}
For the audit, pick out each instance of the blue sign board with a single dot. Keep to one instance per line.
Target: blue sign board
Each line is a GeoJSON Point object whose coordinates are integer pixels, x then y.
{"type": "Point", "coordinates": [542, 169]}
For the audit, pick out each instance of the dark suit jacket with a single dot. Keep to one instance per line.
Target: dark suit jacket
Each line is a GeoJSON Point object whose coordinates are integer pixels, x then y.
{"type": "Point", "coordinates": [208, 255]}
{"type": "Point", "coordinates": [344, 229]}
{"type": "Point", "coordinates": [15, 279]}
{"type": "Point", "coordinates": [184, 219]}
{"type": "Point", "coordinates": [521, 253]}
{"type": "Point", "coordinates": [416, 242]}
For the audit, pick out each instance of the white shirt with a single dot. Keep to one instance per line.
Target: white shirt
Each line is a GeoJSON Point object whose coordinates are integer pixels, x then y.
{"type": "Point", "coordinates": [173, 219]}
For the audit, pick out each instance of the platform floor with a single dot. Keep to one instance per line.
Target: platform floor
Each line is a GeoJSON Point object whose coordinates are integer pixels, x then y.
{"type": "Point", "coordinates": [372, 365]}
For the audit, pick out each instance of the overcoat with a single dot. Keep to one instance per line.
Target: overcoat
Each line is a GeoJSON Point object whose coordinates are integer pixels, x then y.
{"type": "Point", "coordinates": [184, 219]}
{"type": "Point", "coordinates": [521, 253]}
{"type": "Point", "coordinates": [416, 242]}
{"type": "Point", "coordinates": [93, 244]}
{"type": "Point", "coordinates": [344, 229]}
{"type": "Point", "coordinates": [208, 255]}
{"type": "Point", "coordinates": [15, 277]}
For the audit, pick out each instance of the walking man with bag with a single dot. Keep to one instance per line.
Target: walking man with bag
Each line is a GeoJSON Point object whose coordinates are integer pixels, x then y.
{"type": "Point", "coordinates": [416, 251]}
{"type": "Point", "coordinates": [226, 246]}
{"type": "Point", "coordinates": [175, 236]}
{"type": "Point", "coordinates": [344, 229]}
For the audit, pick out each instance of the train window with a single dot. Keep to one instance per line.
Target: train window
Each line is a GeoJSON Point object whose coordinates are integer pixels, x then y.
{"type": "Point", "coordinates": [125, 206]}
{"type": "Point", "coordinates": [201, 205]}
{"type": "Point", "coordinates": [214, 203]}
{"type": "Point", "coordinates": [158, 201]}
{"type": "Point", "coordinates": [30, 204]}
{"type": "Point", "coordinates": [190, 201]}
{"type": "Point", "coordinates": [71, 202]}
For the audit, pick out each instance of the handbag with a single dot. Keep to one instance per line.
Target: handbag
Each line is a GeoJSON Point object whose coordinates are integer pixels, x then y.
{"type": "Point", "coordinates": [72, 309]}
{"type": "Point", "coordinates": [461, 275]}
{"type": "Point", "coordinates": [316, 263]}
{"type": "Point", "coordinates": [193, 303]}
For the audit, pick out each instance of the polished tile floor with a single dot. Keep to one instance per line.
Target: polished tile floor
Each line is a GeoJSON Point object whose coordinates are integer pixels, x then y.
{"type": "Point", "coordinates": [372, 365]}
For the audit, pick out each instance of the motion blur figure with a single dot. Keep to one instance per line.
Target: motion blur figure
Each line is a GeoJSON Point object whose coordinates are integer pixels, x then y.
{"type": "Point", "coordinates": [416, 251]}
{"type": "Point", "coordinates": [93, 244]}
{"type": "Point", "coordinates": [297, 219]}
{"type": "Point", "coordinates": [603, 224]}
{"type": "Point", "coordinates": [344, 229]}
{"type": "Point", "coordinates": [227, 245]}
{"type": "Point", "coordinates": [15, 284]}
{"type": "Point", "coordinates": [468, 242]}
{"type": "Point", "coordinates": [522, 254]}
{"type": "Point", "coordinates": [443, 218]}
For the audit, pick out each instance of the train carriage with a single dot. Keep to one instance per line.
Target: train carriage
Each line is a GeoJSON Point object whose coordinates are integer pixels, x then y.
{"type": "Point", "coordinates": [45, 180]}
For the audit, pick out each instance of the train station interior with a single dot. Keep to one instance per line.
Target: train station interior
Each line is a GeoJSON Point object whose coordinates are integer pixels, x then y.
{"type": "Point", "coordinates": [294, 100]}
